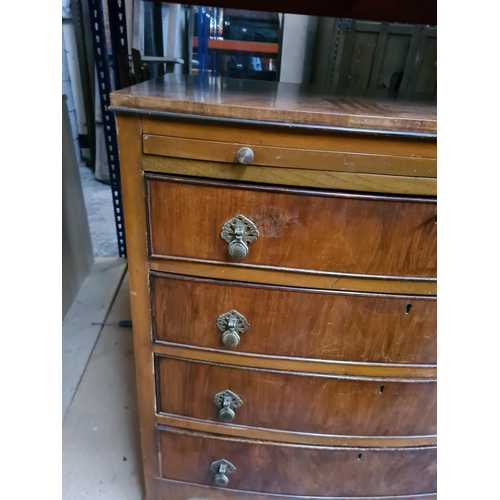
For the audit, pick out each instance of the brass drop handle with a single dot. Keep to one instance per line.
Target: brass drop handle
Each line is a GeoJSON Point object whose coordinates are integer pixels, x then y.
{"type": "Point", "coordinates": [239, 232]}
{"type": "Point", "coordinates": [245, 156]}
{"type": "Point", "coordinates": [232, 324]}
{"type": "Point", "coordinates": [221, 468]}
{"type": "Point", "coordinates": [227, 401]}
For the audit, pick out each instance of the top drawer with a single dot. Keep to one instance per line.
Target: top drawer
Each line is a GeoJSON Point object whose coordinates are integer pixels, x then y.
{"type": "Point", "coordinates": [287, 156]}
{"type": "Point", "coordinates": [246, 153]}
{"type": "Point", "coordinates": [210, 140]}
{"type": "Point", "coordinates": [305, 230]}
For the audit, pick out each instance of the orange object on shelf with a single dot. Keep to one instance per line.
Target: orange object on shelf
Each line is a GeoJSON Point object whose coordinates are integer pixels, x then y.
{"type": "Point", "coordinates": [239, 46]}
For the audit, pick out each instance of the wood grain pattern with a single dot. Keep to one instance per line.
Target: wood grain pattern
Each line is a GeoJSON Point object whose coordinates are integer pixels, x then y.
{"type": "Point", "coordinates": [318, 324]}
{"type": "Point", "coordinates": [348, 181]}
{"type": "Point", "coordinates": [306, 159]}
{"type": "Point", "coordinates": [275, 102]}
{"type": "Point", "coordinates": [295, 279]}
{"type": "Point", "coordinates": [259, 434]}
{"type": "Point", "coordinates": [375, 371]}
{"type": "Point", "coordinates": [181, 490]}
{"type": "Point", "coordinates": [288, 137]}
{"type": "Point", "coordinates": [310, 404]}
{"type": "Point", "coordinates": [339, 393]}
{"type": "Point", "coordinates": [162, 489]}
{"type": "Point", "coordinates": [129, 139]}
{"type": "Point", "coordinates": [320, 232]}
{"type": "Point", "coordinates": [299, 470]}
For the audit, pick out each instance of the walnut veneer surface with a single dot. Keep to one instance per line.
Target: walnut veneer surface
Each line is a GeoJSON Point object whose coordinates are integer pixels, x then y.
{"type": "Point", "coordinates": [282, 257]}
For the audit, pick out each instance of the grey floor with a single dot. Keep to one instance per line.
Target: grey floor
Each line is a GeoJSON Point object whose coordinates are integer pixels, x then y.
{"type": "Point", "coordinates": [100, 429]}
{"type": "Point", "coordinates": [79, 334]}
{"type": "Point", "coordinates": [99, 204]}
{"type": "Point", "coordinates": [100, 436]}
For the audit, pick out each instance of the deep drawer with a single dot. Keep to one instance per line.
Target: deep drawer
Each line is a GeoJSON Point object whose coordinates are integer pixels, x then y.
{"type": "Point", "coordinates": [296, 402]}
{"type": "Point", "coordinates": [314, 324]}
{"type": "Point", "coordinates": [301, 230]}
{"type": "Point", "coordinates": [298, 470]}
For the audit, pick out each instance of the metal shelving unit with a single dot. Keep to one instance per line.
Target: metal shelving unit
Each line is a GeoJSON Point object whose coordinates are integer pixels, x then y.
{"type": "Point", "coordinates": [115, 60]}
{"type": "Point", "coordinates": [118, 31]}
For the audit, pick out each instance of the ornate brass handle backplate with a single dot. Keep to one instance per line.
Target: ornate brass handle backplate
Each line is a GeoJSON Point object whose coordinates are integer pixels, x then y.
{"type": "Point", "coordinates": [239, 232]}
{"type": "Point", "coordinates": [221, 468]}
{"type": "Point", "coordinates": [227, 401]}
{"type": "Point", "coordinates": [232, 324]}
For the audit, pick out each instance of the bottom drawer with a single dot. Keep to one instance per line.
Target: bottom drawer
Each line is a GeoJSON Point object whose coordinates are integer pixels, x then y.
{"type": "Point", "coordinates": [297, 470]}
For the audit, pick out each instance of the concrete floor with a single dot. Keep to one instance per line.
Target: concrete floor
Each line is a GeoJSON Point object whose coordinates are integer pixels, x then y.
{"type": "Point", "coordinates": [99, 204]}
{"type": "Point", "coordinates": [79, 335]}
{"type": "Point", "coordinates": [100, 432]}
{"type": "Point", "coordinates": [101, 450]}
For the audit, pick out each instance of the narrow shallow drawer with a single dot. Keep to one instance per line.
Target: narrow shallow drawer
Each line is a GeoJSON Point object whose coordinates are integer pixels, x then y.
{"type": "Point", "coordinates": [289, 228]}
{"type": "Point", "coordinates": [297, 470]}
{"type": "Point", "coordinates": [272, 156]}
{"type": "Point", "coordinates": [286, 137]}
{"type": "Point", "coordinates": [302, 323]}
{"type": "Point", "coordinates": [295, 402]}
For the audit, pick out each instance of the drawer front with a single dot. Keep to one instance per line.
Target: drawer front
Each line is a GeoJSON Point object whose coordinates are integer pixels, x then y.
{"type": "Point", "coordinates": [287, 137]}
{"type": "Point", "coordinates": [296, 402]}
{"type": "Point", "coordinates": [321, 231]}
{"type": "Point", "coordinates": [324, 325]}
{"type": "Point", "coordinates": [308, 159]}
{"type": "Point", "coordinates": [298, 470]}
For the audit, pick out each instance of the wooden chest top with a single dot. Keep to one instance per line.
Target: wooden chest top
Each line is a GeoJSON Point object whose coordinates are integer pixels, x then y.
{"type": "Point", "coordinates": [278, 103]}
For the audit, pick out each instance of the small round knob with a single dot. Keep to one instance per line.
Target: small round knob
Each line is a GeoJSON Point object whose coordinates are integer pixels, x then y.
{"type": "Point", "coordinates": [230, 339]}
{"type": "Point", "coordinates": [226, 414]}
{"type": "Point", "coordinates": [237, 250]}
{"type": "Point", "coordinates": [221, 479]}
{"type": "Point", "coordinates": [244, 156]}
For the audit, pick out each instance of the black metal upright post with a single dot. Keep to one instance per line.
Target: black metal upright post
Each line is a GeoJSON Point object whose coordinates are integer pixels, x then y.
{"type": "Point", "coordinates": [118, 33]}
{"type": "Point", "coordinates": [104, 81]}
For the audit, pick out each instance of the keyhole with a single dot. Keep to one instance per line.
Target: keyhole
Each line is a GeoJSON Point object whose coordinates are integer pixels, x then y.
{"type": "Point", "coordinates": [382, 387]}
{"type": "Point", "coordinates": [407, 309]}
{"type": "Point", "coordinates": [359, 456]}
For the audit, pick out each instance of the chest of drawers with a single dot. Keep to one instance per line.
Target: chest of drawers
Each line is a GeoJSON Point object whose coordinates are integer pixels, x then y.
{"type": "Point", "coordinates": [282, 258]}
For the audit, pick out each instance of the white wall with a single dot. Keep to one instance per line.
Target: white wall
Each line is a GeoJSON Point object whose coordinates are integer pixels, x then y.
{"type": "Point", "coordinates": [71, 77]}
{"type": "Point", "coordinates": [68, 91]}
{"type": "Point", "coordinates": [297, 50]}
{"type": "Point", "coordinates": [173, 32]}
